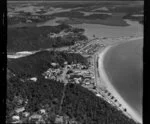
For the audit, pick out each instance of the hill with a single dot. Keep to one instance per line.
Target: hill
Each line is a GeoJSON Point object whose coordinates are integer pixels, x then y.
{"type": "Point", "coordinates": [35, 38]}
{"type": "Point", "coordinates": [79, 104]}
{"type": "Point", "coordinates": [36, 64]}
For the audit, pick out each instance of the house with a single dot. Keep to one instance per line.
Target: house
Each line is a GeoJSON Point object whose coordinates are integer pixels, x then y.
{"type": "Point", "coordinates": [53, 77]}
{"type": "Point", "coordinates": [33, 79]}
{"type": "Point", "coordinates": [69, 66]}
{"type": "Point", "coordinates": [16, 118]}
{"type": "Point", "coordinates": [28, 21]}
{"type": "Point", "coordinates": [59, 119]}
{"type": "Point", "coordinates": [20, 110]}
{"type": "Point", "coordinates": [77, 80]}
{"type": "Point", "coordinates": [42, 111]}
{"type": "Point", "coordinates": [86, 81]}
{"type": "Point", "coordinates": [57, 71]}
{"type": "Point", "coordinates": [98, 95]}
{"type": "Point", "coordinates": [65, 63]}
{"type": "Point", "coordinates": [25, 114]}
{"type": "Point", "coordinates": [54, 64]}
{"type": "Point", "coordinates": [35, 116]}
{"type": "Point", "coordinates": [90, 86]}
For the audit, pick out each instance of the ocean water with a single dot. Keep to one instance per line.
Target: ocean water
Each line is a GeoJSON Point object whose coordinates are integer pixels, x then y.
{"type": "Point", "coordinates": [123, 64]}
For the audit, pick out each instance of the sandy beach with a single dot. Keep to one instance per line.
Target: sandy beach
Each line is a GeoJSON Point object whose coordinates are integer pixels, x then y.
{"type": "Point", "coordinates": [105, 82]}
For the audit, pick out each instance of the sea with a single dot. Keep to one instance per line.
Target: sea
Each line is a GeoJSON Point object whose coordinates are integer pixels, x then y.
{"type": "Point", "coordinates": [123, 64]}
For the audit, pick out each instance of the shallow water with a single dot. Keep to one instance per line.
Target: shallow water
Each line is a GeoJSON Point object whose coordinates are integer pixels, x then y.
{"type": "Point", "coordinates": [124, 66]}
{"type": "Point", "coordinates": [52, 22]}
{"type": "Point", "coordinates": [100, 30]}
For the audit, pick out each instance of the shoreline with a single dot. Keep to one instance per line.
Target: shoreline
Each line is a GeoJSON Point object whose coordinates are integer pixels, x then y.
{"type": "Point", "coordinates": [108, 85]}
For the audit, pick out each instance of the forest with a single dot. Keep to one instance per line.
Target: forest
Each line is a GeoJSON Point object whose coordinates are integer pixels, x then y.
{"type": "Point", "coordinates": [36, 38]}
{"type": "Point", "coordinates": [83, 105]}
{"type": "Point", "coordinates": [42, 93]}
{"type": "Point", "coordinates": [79, 103]}
{"type": "Point", "coordinates": [40, 62]}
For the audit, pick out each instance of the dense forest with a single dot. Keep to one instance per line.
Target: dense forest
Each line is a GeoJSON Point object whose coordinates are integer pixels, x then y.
{"type": "Point", "coordinates": [42, 93]}
{"type": "Point", "coordinates": [89, 109]}
{"type": "Point", "coordinates": [38, 63]}
{"type": "Point", "coordinates": [79, 103]}
{"type": "Point", "coordinates": [35, 38]}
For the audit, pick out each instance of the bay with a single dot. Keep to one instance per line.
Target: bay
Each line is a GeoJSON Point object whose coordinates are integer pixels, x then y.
{"type": "Point", "coordinates": [123, 64]}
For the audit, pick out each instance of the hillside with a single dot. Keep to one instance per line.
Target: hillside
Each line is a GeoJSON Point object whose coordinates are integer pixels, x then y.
{"type": "Point", "coordinates": [40, 62]}
{"type": "Point", "coordinates": [28, 97]}
{"type": "Point", "coordinates": [79, 104]}
{"type": "Point", "coordinates": [36, 38]}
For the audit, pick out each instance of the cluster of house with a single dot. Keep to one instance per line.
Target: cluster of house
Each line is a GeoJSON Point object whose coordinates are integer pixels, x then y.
{"type": "Point", "coordinates": [61, 34]}
{"type": "Point", "coordinates": [53, 73]}
{"type": "Point", "coordinates": [73, 73]}
{"type": "Point", "coordinates": [85, 49]}
{"type": "Point", "coordinates": [64, 120]}
{"type": "Point", "coordinates": [21, 115]}
{"type": "Point", "coordinates": [78, 46]}
{"type": "Point", "coordinates": [91, 49]}
{"type": "Point", "coordinates": [83, 77]}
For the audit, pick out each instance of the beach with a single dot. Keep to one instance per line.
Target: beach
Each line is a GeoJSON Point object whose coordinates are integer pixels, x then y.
{"type": "Point", "coordinates": [105, 82]}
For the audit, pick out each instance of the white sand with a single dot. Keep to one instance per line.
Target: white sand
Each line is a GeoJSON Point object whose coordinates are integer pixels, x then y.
{"type": "Point", "coordinates": [101, 8]}
{"type": "Point", "coordinates": [90, 13]}
{"type": "Point", "coordinates": [104, 79]}
{"type": "Point", "coordinates": [20, 54]}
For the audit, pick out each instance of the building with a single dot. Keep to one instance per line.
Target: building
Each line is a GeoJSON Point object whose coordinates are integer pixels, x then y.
{"type": "Point", "coordinates": [33, 79]}
{"type": "Point", "coordinates": [18, 110]}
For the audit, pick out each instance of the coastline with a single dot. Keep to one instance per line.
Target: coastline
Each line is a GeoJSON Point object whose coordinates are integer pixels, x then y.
{"type": "Point", "coordinates": [105, 81]}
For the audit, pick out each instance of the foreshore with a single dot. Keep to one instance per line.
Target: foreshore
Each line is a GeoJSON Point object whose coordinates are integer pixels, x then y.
{"type": "Point", "coordinates": [103, 81]}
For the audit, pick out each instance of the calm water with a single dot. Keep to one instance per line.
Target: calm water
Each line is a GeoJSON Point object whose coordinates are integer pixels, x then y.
{"type": "Point", "coordinates": [100, 30]}
{"type": "Point", "coordinates": [124, 66]}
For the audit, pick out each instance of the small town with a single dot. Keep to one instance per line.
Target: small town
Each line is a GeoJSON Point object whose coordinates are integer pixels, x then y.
{"type": "Point", "coordinates": [75, 73]}
{"type": "Point", "coordinates": [56, 69]}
